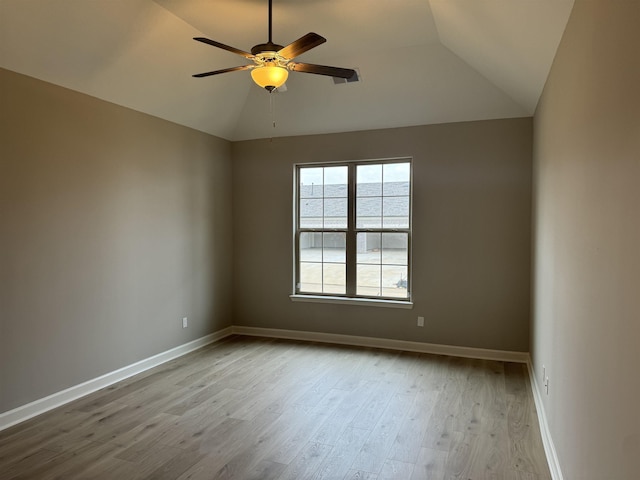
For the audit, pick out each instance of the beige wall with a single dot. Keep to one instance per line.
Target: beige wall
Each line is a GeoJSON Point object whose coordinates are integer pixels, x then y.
{"type": "Point", "coordinates": [113, 226]}
{"type": "Point", "coordinates": [471, 235]}
{"type": "Point", "coordinates": [116, 224]}
{"type": "Point", "coordinates": [586, 327]}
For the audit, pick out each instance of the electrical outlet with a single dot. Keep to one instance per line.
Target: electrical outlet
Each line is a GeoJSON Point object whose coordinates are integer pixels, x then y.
{"type": "Point", "coordinates": [185, 322]}
{"type": "Point", "coordinates": [421, 321]}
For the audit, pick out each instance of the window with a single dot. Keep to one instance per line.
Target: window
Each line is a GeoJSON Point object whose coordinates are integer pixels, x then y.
{"type": "Point", "coordinates": [353, 230]}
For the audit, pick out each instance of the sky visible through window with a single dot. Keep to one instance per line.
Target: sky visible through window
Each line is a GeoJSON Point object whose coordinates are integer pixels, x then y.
{"type": "Point", "coordinates": [393, 172]}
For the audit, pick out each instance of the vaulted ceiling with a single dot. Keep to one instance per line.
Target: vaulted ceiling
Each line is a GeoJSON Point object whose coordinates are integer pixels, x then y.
{"type": "Point", "coordinates": [420, 61]}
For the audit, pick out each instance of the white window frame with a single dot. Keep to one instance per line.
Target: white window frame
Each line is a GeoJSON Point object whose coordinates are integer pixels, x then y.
{"type": "Point", "coordinates": [350, 297]}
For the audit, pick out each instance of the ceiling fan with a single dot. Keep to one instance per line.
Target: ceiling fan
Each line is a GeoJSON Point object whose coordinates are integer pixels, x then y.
{"type": "Point", "coordinates": [272, 62]}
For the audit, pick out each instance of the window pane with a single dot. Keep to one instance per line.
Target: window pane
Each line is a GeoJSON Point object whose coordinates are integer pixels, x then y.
{"type": "Point", "coordinates": [369, 212]}
{"type": "Point", "coordinates": [311, 277]}
{"type": "Point", "coordinates": [369, 248]}
{"type": "Point", "coordinates": [396, 212]}
{"type": "Point", "coordinates": [394, 281]}
{"type": "Point", "coordinates": [334, 247]}
{"type": "Point", "coordinates": [396, 179]}
{"type": "Point", "coordinates": [310, 213]}
{"type": "Point", "coordinates": [395, 249]}
{"type": "Point", "coordinates": [322, 262]}
{"type": "Point", "coordinates": [368, 280]}
{"type": "Point", "coordinates": [334, 278]}
{"type": "Point", "coordinates": [311, 181]}
{"type": "Point", "coordinates": [335, 213]}
{"type": "Point", "coordinates": [369, 178]}
{"type": "Point", "coordinates": [323, 197]}
{"type": "Point", "coordinates": [310, 247]}
{"type": "Point", "coordinates": [335, 181]}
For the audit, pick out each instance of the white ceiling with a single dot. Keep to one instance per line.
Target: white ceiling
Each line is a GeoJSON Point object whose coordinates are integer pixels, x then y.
{"type": "Point", "coordinates": [421, 61]}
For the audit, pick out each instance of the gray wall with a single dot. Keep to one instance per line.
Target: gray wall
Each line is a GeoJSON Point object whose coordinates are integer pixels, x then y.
{"type": "Point", "coordinates": [586, 327]}
{"type": "Point", "coordinates": [113, 225]}
{"type": "Point", "coordinates": [471, 233]}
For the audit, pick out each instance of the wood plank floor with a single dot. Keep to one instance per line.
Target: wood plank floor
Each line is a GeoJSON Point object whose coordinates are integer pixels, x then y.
{"type": "Point", "coordinates": [254, 408]}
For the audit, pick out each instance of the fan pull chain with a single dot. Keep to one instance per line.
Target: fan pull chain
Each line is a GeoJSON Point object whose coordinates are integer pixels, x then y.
{"type": "Point", "coordinates": [272, 109]}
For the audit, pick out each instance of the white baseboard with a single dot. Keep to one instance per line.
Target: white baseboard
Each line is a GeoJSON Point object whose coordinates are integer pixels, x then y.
{"type": "Point", "coordinates": [37, 407]}
{"type": "Point", "coordinates": [455, 351]}
{"type": "Point", "coordinates": [25, 412]}
{"type": "Point", "coordinates": [547, 441]}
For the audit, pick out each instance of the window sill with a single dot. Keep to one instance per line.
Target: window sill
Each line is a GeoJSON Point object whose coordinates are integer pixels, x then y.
{"type": "Point", "coordinates": [365, 302]}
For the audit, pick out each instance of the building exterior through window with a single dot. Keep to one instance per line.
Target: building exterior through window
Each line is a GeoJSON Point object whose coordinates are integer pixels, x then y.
{"type": "Point", "coordinates": [353, 229]}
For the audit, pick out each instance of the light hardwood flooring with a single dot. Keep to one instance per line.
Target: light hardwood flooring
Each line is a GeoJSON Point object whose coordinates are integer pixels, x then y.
{"type": "Point", "coordinates": [255, 408]}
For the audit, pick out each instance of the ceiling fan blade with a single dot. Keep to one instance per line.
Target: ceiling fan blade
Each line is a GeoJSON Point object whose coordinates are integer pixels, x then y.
{"type": "Point", "coordinates": [322, 70]}
{"type": "Point", "coordinates": [303, 44]}
{"type": "Point", "coordinates": [225, 70]}
{"type": "Point", "coordinates": [223, 46]}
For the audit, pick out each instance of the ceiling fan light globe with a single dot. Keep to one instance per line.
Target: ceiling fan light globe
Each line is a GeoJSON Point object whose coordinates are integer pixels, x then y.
{"type": "Point", "coordinates": [270, 76]}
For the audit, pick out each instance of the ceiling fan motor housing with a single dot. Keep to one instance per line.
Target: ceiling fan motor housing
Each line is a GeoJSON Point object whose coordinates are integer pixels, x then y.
{"type": "Point", "coordinates": [266, 47]}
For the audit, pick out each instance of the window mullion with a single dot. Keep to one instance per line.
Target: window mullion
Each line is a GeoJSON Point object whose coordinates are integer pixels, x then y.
{"type": "Point", "coordinates": [351, 232]}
